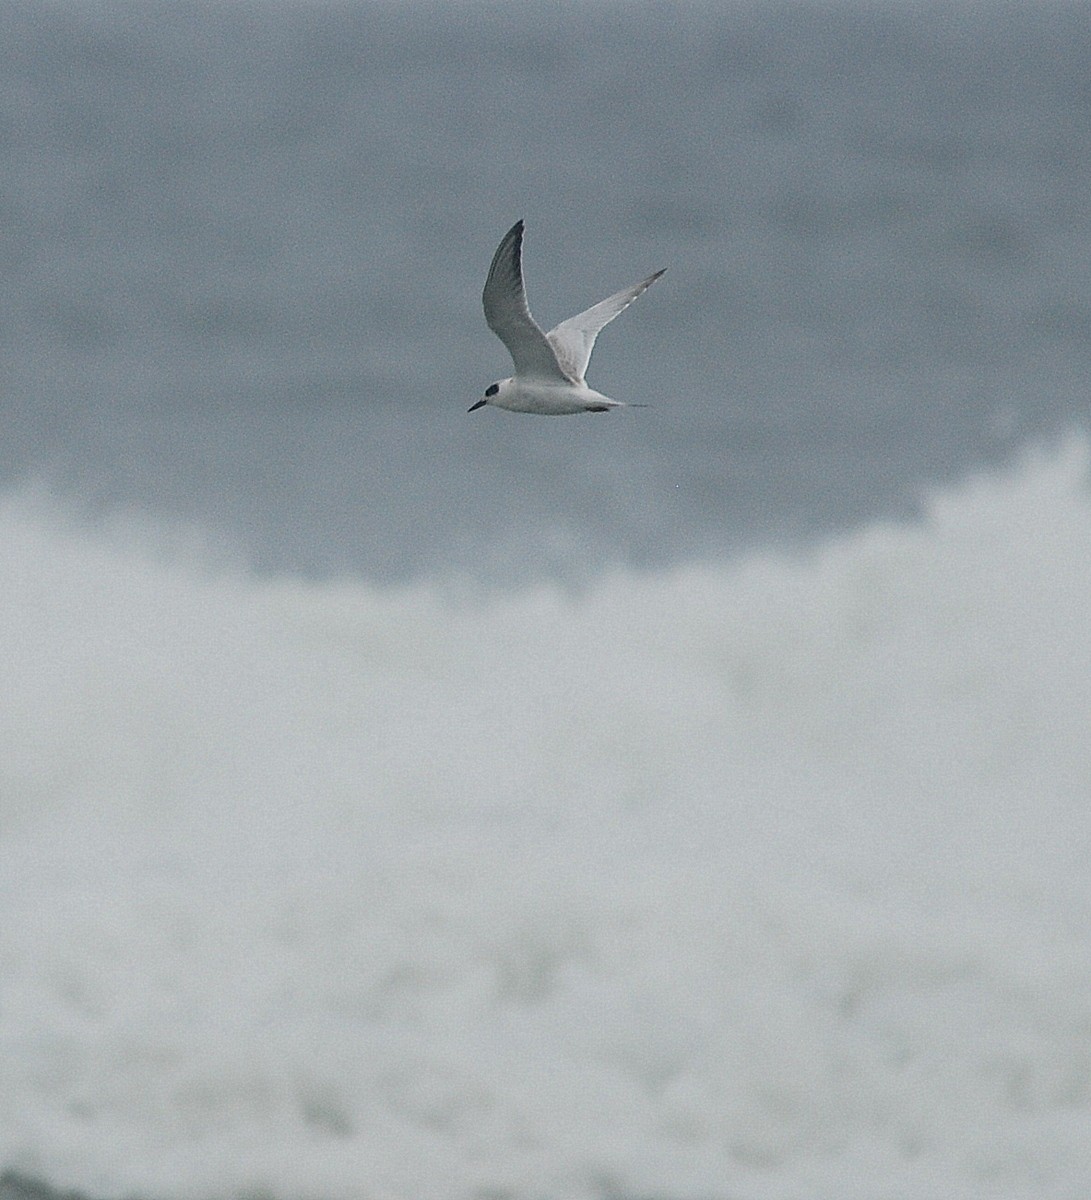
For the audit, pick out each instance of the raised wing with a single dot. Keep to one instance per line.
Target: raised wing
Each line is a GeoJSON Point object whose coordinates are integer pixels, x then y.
{"type": "Point", "coordinates": [574, 339]}
{"type": "Point", "coordinates": [506, 312]}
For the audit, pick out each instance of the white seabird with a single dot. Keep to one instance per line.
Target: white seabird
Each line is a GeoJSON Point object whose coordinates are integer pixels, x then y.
{"type": "Point", "coordinates": [549, 367]}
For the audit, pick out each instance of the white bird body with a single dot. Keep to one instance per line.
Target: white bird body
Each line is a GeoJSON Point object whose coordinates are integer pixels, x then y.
{"type": "Point", "coordinates": [550, 398]}
{"type": "Point", "coordinates": [549, 367]}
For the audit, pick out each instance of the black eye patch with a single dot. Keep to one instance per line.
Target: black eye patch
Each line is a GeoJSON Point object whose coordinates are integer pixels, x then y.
{"type": "Point", "coordinates": [492, 389]}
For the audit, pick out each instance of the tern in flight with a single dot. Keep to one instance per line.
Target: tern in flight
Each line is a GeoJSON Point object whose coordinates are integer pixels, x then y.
{"type": "Point", "coordinates": [549, 367]}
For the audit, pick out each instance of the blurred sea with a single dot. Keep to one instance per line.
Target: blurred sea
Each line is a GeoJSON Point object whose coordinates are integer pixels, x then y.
{"type": "Point", "coordinates": [693, 801]}
{"type": "Point", "coordinates": [243, 247]}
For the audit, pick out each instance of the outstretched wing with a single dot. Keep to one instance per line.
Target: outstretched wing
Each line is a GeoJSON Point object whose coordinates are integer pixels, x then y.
{"type": "Point", "coordinates": [506, 312]}
{"type": "Point", "coordinates": [574, 339]}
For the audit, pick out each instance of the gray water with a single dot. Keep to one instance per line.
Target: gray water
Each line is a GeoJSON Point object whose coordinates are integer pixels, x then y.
{"type": "Point", "coordinates": [243, 246]}
{"type": "Point", "coordinates": [751, 874]}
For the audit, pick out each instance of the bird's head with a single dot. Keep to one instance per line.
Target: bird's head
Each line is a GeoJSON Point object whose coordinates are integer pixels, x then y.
{"type": "Point", "coordinates": [491, 392]}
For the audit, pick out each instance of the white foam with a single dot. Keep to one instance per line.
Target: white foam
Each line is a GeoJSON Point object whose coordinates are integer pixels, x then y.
{"type": "Point", "coordinates": [768, 879]}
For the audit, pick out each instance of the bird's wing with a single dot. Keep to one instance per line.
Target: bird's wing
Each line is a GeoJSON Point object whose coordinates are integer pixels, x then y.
{"type": "Point", "coordinates": [506, 312]}
{"type": "Point", "coordinates": [574, 339]}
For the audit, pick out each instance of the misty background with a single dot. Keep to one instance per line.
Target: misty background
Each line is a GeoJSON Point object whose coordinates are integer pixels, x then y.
{"type": "Point", "coordinates": [403, 804]}
{"type": "Point", "coordinates": [243, 246]}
